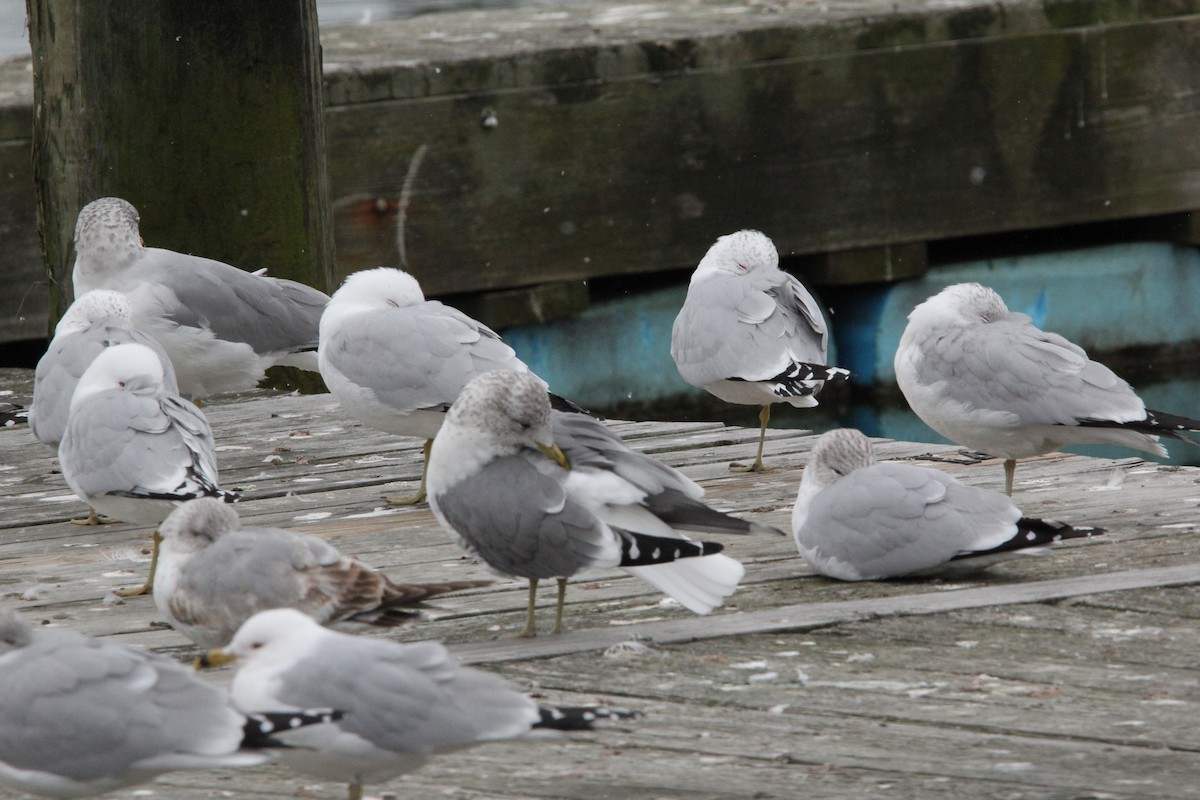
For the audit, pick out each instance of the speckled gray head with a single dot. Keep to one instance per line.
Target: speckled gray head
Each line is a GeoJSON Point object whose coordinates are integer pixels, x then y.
{"type": "Point", "coordinates": [202, 521]}
{"type": "Point", "coordinates": [836, 454]}
{"type": "Point", "coordinates": [962, 302]}
{"type": "Point", "coordinates": [93, 306]}
{"type": "Point", "coordinates": [508, 406]}
{"type": "Point", "coordinates": [14, 631]}
{"type": "Point", "coordinates": [107, 238]}
{"type": "Point", "coordinates": [739, 253]}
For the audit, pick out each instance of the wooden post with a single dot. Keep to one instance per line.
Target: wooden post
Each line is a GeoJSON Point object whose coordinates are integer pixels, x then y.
{"type": "Point", "coordinates": [208, 117]}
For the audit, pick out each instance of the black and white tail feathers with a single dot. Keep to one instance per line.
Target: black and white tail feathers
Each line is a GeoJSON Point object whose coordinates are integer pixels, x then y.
{"type": "Point", "coordinates": [1034, 533]}
{"type": "Point", "coordinates": [1156, 423]}
{"type": "Point", "coordinates": [261, 726]}
{"type": "Point", "coordinates": [801, 379]}
{"type": "Point", "coordinates": [579, 718]}
{"type": "Point", "coordinates": [643, 550]}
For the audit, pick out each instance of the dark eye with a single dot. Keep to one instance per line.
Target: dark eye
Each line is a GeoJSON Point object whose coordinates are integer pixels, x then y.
{"type": "Point", "coordinates": [256, 646]}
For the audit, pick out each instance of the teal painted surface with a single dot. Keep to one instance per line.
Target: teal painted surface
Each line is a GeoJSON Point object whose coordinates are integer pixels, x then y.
{"type": "Point", "coordinates": [1103, 298]}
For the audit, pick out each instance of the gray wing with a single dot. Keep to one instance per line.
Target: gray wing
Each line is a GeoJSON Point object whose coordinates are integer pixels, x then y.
{"type": "Point", "coordinates": [737, 328]}
{"type": "Point", "coordinates": [269, 314]}
{"type": "Point", "coordinates": [416, 357]}
{"type": "Point", "coordinates": [891, 519]}
{"type": "Point", "coordinates": [670, 495]}
{"type": "Point", "coordinates": [141, 446]}
{"type": "Point", "coordinates": [516, 517]}
{"type": "Point", "coordinates": [64, 362]}
{"type": "Point", "coordinates": [251, 570]}
{"type": "Point", "coordinates": [1009, 365]}
{"type": "Point", "coordinates": [88, 709]}
{"type": "Point", "coordinates": [412, 698]}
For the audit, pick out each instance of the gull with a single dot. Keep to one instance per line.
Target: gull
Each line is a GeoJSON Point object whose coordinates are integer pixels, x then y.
{"type": "Point", "coordinates": [132, 449]}
{"type": "Point", "coordinates": [81, 716]}
{"type": "Point", "coordinates": [750, 333]}
{"type": "Point", "coordinates": [222, 326]}
{"type": "Point", "coordinates": [859, 520]}
{"type": "Point", "coordinates": [96, 320]}
{"type": "Point", "coordinates": [213, 575]}
{"type": "Point", "coordinates": [401, 703]}
{"type": "Point", "coordinates": [536, 494]}
{"type": "Point", "coordinates": [396, 361]}
{"type": "Point", "coordinates": [990, 380]}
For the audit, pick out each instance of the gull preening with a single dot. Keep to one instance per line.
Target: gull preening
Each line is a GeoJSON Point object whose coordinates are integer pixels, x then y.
{"type": "Point", "coordinates": [535, 493]}
{"type": "Point", "coordinates": [750, 333]}
{"type": "Point", "coordinates": [222, 326]}
{"type": "Point", "coordinates": [400, 703]}
{"type": "Point", "coordinates": [81, 716]}
{"type": "Point", "coordinates": [856, 519]}
{"type": "Point", "coordinates": [987, 378]}
{"type": "Point", "coordinates": [133, 450]}
{"type": "Point", "coordinates": [213, 575]}
{"type": "Point", "coordinates": [396, 361]}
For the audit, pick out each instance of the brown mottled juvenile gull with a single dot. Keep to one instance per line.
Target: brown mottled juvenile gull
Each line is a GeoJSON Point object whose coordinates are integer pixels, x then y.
{"type": "Point", "coordinates": [222, 326]}
{"type": "Point", "coordinates": [750, 333]}
{"type": "Point", "coordinates": [536, 494]}
{"type": "Point", "coordinates": [133, 450]}
{"type": "Point", "coordinates": [402, 703]}
{"type": "Point", "coordinates": [989, 379]}
{"type": "Point", "coordinates": [81, 716]}
{"type": "Point", "coordinates": [856, 519]}
{"type": "Point", "coordinates": [213, 575]}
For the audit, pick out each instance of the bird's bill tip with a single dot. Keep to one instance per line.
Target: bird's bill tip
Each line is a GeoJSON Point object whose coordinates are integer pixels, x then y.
{"type": "Point", "coordinates": [554, 453]}
{"type": "Point", "coordinates": [214, 658]}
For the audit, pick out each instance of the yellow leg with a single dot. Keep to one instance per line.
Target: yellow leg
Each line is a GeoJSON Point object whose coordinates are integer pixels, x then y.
{"type": "Point", "coordinates": [530, 629]}
{"type": "Point", "coordinates": [93, 518]}
{"type": "Point", "coordinates": [558, 612]}
{"type": "Point", "coordinates": [148, 586]}
{"type": "Point", "coordinates": [764, 416]}
{"type": "Point", "coordinates": [419, 497]}
{"type": "Point", "coordinates": [1010, 469]}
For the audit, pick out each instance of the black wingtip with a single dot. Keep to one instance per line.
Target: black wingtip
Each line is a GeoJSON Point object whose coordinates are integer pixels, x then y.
{"type": "Point", "coordinates": [643, 550]}
{"type": "Point", "coordinates": [1032, 532]}
{"type": "Point", "coordinates": [261, 727]}
{"type": "Point", "coordinates": [579, 718]}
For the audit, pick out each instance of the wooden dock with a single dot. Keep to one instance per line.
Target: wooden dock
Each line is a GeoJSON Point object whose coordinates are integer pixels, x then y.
{"type": "Point", "coordinates": [1066, 676]}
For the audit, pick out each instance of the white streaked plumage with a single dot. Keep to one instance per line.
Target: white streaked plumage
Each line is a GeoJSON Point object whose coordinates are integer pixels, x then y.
{"type": "Point", "coordinates": [500, 483]}
{"type": "Point", "coordinates": [213, 575]}
{"type": "Point", "coordinates": [989, 379]}
{"type": "Point", "coordinates": [96, 320]}
{"type": "Point", "coordinates": [133, 450]}
{"type": "Point", "coordinates": [750, 333]}
{"type": "Point", "coordinates": [81, 716]}
{"type": "Point", "coordinates": [221, 326]}
{"type": "Point", "coordinates": [856, 519]}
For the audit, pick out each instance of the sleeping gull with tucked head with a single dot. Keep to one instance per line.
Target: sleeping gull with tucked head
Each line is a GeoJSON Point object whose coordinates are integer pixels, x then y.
{"type": "Point", "coordinates": [402, 703]}
{"type": "Point", "coordinates": [213, 575]}
{"type": "Point", "coordinates": [989, 379]}
{"type": "Point", "coordinates": [81, 716]}
{"type": "Point", "coordinates": [750, 333]}
{"type": "Point", "coordinates": [222, 326]}
{"type": "Point", "coordinates": [132, 449]}
{"type": "Point", "coordinates": [396, 361]}
{"type": "Point", "coordinates": [856, 519]}
{"type": "Point", "coordinates": [535, 493]}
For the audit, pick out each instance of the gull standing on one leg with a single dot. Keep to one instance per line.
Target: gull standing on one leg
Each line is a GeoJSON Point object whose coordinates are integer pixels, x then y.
{"type": "Point", "coordinates": [221, 326]}
{"type": "Point", "coordinates": [133, 450]}
{"type": "Point", "coordinates": [750, 333]}
{"type": "Point", "coordinates": [528, 507]}
{"type": "Point", "coordinates": [989, 379]}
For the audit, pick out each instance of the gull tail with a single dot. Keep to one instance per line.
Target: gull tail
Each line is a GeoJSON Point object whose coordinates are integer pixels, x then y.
{"type": "Point", "coordinates": [400, 601]}
{"type": "Point", "coordinates": [1033, 534]}
{"type": "Point", "coordinates": [802, 379]}
{"type": "Point", "coordinates": [563, 404]}
{"type": "Point", "coordinates": [261, 725]}
{"type": "Point", "coordinates": [579, 718]}
{"type": "Point", "coordinates": [698, 584]}
{"type": "Point", "coordinates": [642, 549]}
{"type": "Point", "coordinates": [1156, 423]}
{"type": "Point", "coordinates": [679, 510]}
